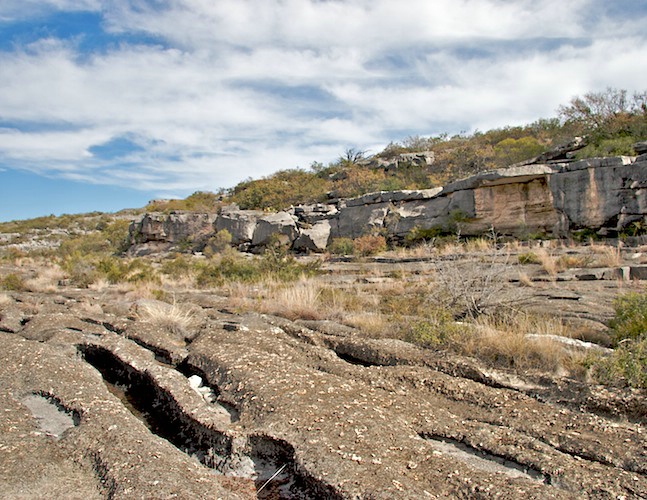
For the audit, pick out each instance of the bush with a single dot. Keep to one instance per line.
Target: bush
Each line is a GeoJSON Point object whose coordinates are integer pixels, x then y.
{"type": "Point", "coordinates": [627, 366]}
{"type": "Point", "coordinates": [438, 330]}
{"type": "Point", "coordinates": [13, 282]}
{"type": "Point", "coordinates": [341, 246]}
{"type": "Point", "coordinates": [630, 321]}
{"type": "Point", "coordinates": [218, 243]}
{"type": "Point", "coordinates": [369, 245]}
{"type": "Point", "coordinates": [276, 264]}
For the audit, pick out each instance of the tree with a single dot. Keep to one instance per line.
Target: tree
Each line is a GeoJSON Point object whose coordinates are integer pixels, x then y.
{"type": "Point", "coordinates": [595, 109]}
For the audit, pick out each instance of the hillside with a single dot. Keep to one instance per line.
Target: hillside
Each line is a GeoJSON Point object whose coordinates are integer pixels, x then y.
{"type": "Point", "coordinates": [413, 348]}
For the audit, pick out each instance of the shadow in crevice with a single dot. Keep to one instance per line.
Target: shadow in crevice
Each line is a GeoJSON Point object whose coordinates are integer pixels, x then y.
{"type": "Point", "coordinates": [269, 461]}
{"type": "Point", "coordinates": [158, 409]}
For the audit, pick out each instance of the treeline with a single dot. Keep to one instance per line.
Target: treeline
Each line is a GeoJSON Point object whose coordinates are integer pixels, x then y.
{"type": "Point", "coordinates": [611, 121]}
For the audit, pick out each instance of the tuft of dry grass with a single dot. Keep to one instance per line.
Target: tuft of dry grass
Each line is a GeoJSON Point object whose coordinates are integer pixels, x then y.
{"type": "Point", "coordinates": [547, 261]}
{"type": "Point", "coordinates": [296, 301]}
{"type": "Point", "coordinates": [47, 279]}
{"type": "Point", "coordinates": [525, 280]}
{"type": "Point", "coordinates": [373, 324]}
{"type": "Point", "coordinates": [607, 256]}
{"type": "Point", "coordinates": [175, 318]}
{"type": "Point", "coordinates": [5, 299]}
{"type": "Point", "coordinates": [504, 341]}
{"type": "Point", "coordinates": [479, 245]}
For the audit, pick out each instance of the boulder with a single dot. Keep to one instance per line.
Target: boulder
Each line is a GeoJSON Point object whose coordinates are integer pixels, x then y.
{"type": "Point", "coordinates": [280, 225]}
{"type": "Point", "coordinates": [600, 193]}
{"type": "Point", "coordinates": [315, 238]}
{"type": "Point", "coordinates": [173, 228]}
{"type": "Point", "coordinates": [240, 223]}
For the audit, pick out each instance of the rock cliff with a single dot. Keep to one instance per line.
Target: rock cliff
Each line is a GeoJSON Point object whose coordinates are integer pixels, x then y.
{"type": "Point", "coordinates": [605, 195]}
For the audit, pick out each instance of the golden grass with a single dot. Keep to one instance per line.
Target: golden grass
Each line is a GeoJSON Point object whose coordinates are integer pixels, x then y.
{"type": "Point", "coordinates": [525, 280]}
{"type": "Point", "coordinates": [504, 341]}
{"type": "Point", "coordinates": [607, 256]}
{"type": "Point", "coordinates": [479, 245]}
{"type": "Point", "coordinates": [175, 318]}
{"type": "Point", "coordinates": [47, 279]}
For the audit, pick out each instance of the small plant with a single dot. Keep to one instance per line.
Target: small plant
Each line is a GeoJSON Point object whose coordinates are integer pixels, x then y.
{"type": "Point", "coordinates": [437, 330]}
{"type": "Point", "coordinates": [341, 246]}
{"type": "Point", "coordinates": [369, 245]}
{"type": "Point", "coordinates": [630, 321]}
{"type": "Point", "coordinates": [627, 366]}
{"type": "Point", "coordinates": [528, 258]}
{"type": "Point", "coordinates": [175, 318]}
{"type": "Point", "coordinates": [13, 282]}
{"type": "Point", "coordinates": [218, 243]}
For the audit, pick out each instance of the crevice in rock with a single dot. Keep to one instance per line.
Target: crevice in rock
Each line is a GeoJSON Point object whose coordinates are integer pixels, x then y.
{"type": "Point", "coordinates": [483, 460]}
{"type": "Point", "coordinates": [158, 410]}
{"type": "Point", "coordinates": [209, 390]}
{"type": "Point", "coordinates": [106, 324]}
{"type": "Point", "coordinates": [275, 456]}
{"type": "Point", "coordinates": [162, 356]}
{"type": "Point", "coordinates": [101, 471]}
{"type": "Point", "coordinates": [353, 360]}
{"type": "Point", "coordinates": [256, 457]}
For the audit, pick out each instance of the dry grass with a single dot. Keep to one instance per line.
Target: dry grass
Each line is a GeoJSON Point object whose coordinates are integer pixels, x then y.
{"type": "Point", "coordinates": [175, 318]}
{"type": "Point", "coordinates": [504, 341]}
{"type": "Point", "coordinates": [548, 261]}
{"type": "Point", "coordinates": [47, 279]}
{"type": "Point", "coordinates": [479, 245]}
{"type": "Point", "coordinates": [373, 324]}
{"type": "Point", "coordinates": [607, 256]}
{"type": "Point", "coordinates": [295, 301]}
{"type": "Point", "coordinates": [5, 299]}
{"type": "Point", "coordinates": [525, 280]}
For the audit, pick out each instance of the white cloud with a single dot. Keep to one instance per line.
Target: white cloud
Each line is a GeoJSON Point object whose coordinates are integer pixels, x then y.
{"type": "Point", "coordinates": [232, 89]}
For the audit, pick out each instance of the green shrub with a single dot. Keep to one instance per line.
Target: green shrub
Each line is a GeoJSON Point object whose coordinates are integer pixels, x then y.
{"type": "Point", "coordinates": [630, 321]}
{"type": "Point", "coordinates": [627, 366]}
{"type": "Point", "coordinates": [179, 267]}
{"type": "Point", "coordinates": [528, 258]}
{"type": "Point", "coordinates": [418, 235]}
{"type": "Point", "coordinates": [275, 264]}
{"type": "Point", "coordinates": [218, 243]}
{"type": "Point", "coordinates": [437, 330]}
{"type": "Point", "coordinates": [341, 246]}
{"type": "Point", "coordinates": [13, 282]}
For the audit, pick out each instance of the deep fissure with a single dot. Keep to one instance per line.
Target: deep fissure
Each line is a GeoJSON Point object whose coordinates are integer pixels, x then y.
{"type": "Point", "coordinates": [259, 457]}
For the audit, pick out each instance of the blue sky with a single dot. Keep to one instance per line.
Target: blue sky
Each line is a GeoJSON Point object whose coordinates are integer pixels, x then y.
{"type": "Point", "coordinates": [106, 104]}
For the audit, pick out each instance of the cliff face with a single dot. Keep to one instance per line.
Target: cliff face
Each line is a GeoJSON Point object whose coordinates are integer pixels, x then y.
{"type": "Point", "coordinates": [599, 194]}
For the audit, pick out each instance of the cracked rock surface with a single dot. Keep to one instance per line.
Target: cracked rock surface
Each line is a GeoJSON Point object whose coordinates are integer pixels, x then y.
{"type": "Point", "coordinates": [97, 404]}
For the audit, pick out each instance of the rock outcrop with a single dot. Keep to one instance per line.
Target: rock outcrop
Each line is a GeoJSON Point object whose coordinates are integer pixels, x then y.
{"type": "Point", "coordinates": [604, 195]}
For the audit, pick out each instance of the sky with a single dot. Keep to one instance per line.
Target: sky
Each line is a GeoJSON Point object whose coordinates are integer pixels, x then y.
{"type": "Point", "coordinates": [106, 104]}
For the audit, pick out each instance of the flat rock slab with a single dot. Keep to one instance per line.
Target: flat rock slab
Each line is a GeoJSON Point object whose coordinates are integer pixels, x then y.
{"type": "Point", "coordinates": [327, 412]}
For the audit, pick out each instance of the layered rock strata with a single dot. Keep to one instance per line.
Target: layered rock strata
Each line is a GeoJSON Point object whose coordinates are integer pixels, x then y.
{"type": "Point", "coordinates": [605, 195]}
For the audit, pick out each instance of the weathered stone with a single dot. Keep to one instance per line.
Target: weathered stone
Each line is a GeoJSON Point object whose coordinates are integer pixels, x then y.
{"type": "Point", "coordinates": [640, 147]}
{"type": "Point", "coordinates": [515, 208]}
{"type": "Point", "coordinates": [356, 221]}
{"type": "Point", "coordinates": [524, 173]}
{"type": "Point", "coordinates": [315, 238]}
{"type": "Point", "coordinates": [313, 213]}
{"type": "Point", "coordinates": [599, 193]}
{"type": "Point", "coordinates": [280, 225]}
{"type": "Point", "coordinates": [172, 228]}
{"type": "Point", "coordinates": [240, 224]}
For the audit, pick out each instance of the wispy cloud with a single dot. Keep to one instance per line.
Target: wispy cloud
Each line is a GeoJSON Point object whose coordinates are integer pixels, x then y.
{"type": "Point", "coordinates": [201, 94]}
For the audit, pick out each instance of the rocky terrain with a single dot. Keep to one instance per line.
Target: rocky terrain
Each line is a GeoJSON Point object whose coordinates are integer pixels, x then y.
{"type": "Point", "coordinates": [99, 402]}
{"type": "Point", "coordinates": [604, 196]}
